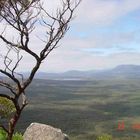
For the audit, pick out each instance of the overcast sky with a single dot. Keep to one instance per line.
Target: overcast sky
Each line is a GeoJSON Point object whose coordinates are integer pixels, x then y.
{"type": "Point", "coordinates": [104, 34]}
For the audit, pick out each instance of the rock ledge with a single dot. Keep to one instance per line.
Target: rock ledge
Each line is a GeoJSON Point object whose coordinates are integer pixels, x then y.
{"type": "Point", "coordinates": [38, 131]}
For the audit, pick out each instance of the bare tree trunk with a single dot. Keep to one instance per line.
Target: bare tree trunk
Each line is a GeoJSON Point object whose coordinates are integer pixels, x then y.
{"type": "Point", "coordinates": [13, 123]}
{"type": "Point", "coordinates": [10, 134]}
{"type": "Point", "coordinates": [10, 130]}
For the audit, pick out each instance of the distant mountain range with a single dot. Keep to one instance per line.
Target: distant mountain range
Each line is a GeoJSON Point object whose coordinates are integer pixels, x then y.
{"type": "Point", "coordinates": [121, 71]}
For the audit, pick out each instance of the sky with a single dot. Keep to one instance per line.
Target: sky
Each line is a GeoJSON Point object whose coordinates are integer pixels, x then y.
{"type": "Point", "coordinates": [103, 34]}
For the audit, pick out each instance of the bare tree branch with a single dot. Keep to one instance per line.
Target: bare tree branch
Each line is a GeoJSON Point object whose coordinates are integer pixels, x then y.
{"type": "Point", "coordinates": [23, 17]}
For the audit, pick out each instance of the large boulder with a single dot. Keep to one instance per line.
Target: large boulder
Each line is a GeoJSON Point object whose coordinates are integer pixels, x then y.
{"type": "Point", "coordinates": [37, 131]}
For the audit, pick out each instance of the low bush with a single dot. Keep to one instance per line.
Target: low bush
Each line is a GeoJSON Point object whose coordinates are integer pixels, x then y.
{"type": "Point", "coordinates": [3, 134]}
{"type": "Point", "coordinates": [104, 137]}
{"type": "Point", "coordinates": [16, 136]}
{"type": "Point", "coordinates": [6, 107]}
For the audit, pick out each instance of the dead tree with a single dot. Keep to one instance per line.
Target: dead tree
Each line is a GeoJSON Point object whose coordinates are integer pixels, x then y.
{"type": "Point", "coordinates": [23, 16]}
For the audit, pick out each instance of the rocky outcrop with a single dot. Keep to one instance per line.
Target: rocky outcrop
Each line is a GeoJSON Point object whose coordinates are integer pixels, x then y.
{"type": "Point", "coordinates": [37, 131]}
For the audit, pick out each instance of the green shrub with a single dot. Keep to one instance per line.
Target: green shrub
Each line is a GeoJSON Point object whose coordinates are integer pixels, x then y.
{"type": "Point", "coordinates": [6, 107]}
{"type": "Point", "coordinates": [104, 137]}
{"type": "Point", "coordinates": [3, 134]}
{"type": "Point", "coordinates": [17, 136]}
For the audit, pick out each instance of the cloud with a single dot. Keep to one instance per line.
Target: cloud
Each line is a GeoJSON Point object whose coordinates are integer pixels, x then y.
{"type": "Point", "coordinates": [83, 61]}
{"type": "Point", "coordinates": [103, 12]}
{"type": "Point", "coordinates": [103, 41]}
{"type": "Point", "coordinates": [92, 42]}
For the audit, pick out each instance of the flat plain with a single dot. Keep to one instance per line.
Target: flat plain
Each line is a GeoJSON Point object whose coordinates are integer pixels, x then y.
{"type": "Point", "coordinates": [85, 109]}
